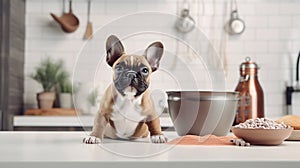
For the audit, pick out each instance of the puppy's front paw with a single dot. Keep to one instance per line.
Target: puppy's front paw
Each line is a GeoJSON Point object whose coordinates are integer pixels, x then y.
{"type": "Point", "coordinates": [159, 139]}
{"type": "Point", "coordinates": [91, 140]}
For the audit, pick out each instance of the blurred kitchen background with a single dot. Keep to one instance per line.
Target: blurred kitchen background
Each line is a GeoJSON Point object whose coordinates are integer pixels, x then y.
{"type": "Point", "coordinates": [29, 34]}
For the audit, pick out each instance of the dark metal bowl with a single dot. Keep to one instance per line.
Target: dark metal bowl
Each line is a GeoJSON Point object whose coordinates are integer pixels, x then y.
{"type": "Point", "coordinates": [202, 112]}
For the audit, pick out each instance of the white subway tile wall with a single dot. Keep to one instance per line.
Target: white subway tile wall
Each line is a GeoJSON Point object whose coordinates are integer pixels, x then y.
{"type": "Point", "coordinates": [271, 38]}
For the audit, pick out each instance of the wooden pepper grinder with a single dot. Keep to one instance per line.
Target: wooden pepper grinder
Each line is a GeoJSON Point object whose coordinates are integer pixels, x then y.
{"type": "Point", "coordinates": [251, 103]}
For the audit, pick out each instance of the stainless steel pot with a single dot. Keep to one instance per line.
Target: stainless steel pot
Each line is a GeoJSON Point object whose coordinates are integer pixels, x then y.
{"type": "Point", "coordinates": [202, 112]}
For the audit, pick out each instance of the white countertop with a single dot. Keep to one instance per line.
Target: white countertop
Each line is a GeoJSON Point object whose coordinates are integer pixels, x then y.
{"type": "Point", "coordinates": [65, 149]}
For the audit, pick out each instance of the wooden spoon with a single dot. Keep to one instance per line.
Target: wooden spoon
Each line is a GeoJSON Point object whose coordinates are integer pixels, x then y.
{"type": "Point", "coordinates": [89, 27]}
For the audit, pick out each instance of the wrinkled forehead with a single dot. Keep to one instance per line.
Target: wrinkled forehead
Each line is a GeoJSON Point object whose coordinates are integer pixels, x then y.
{"type": "Point", "coordinates": [132, 60]}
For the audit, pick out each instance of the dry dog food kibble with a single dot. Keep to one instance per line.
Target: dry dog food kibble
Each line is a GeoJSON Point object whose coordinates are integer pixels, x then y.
{"type": "Point", "coordinates": [261, 123]}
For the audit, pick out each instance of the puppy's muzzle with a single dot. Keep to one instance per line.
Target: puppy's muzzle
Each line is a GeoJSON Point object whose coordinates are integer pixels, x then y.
{"type": "Point", "coordinates": [132, 78]}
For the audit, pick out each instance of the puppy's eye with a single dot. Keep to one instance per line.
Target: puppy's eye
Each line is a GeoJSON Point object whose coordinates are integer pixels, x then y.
{"type": "Point", "coordinates": [145, 71]}
{"type": "Point", "coordinates": [119, 69]}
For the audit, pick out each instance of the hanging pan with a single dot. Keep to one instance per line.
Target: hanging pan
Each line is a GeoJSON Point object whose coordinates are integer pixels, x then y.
{"type": "Point", "coordinates": [235, 25]}
{"type": "Point", "coordinates": [68, 21]}
{"type": "Point", "coordinates": [185, 23]}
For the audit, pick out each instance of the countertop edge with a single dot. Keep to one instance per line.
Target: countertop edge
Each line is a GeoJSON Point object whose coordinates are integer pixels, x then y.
{"type": "Point", "coordinates": [150, 164]}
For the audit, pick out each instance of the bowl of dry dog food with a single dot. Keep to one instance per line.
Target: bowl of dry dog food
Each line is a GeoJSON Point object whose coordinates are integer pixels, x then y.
{"type": "Point", "coordinates": [262, 131]}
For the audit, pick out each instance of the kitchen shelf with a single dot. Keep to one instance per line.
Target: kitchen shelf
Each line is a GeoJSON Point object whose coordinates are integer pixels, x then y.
{"type": "Point", "coordinates": [33, 122]}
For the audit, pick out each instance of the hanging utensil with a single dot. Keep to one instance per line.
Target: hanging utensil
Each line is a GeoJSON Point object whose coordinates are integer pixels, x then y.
{"type": "Point", "coordinates": [89, 27]}
{"type": "Point", "coordinates": [185, 23]}
{"type": "Point", "coordinates": [68, 21]}
{"type": "Point", "coordinates": [235, 25]}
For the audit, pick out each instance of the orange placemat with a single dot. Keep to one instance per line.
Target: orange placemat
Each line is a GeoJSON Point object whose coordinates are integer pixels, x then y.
{"type": "Point", "coordinates": [203, 140]}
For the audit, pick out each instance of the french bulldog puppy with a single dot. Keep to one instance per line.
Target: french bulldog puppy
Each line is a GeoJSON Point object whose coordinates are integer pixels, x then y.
{"type": "Point", "coordinates": [127, 110]}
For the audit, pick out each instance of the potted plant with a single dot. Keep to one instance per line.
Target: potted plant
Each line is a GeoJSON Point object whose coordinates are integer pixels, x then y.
{"type": "Point", "coordinates": [65, 94]}
{"type": "Point", "coordinates": [93, 101]}
{"type": "Point", "coordinates": [48, 74]}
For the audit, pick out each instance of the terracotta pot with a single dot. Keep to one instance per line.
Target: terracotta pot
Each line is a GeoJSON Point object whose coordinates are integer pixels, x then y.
{"type": "Point", "coordinates": [65, 100]}
{"type": "Point", "coordinates": [45, 100]}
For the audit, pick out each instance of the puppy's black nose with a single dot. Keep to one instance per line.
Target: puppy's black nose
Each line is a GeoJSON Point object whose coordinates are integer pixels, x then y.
{"type": "Point", "coordinates": [131, 75]}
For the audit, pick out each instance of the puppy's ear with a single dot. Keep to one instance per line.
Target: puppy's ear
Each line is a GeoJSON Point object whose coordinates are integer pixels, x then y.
{"type": "Point", "coordinates": [114, 49]}
{"type": "Point", "coordinates": [153, 54]}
